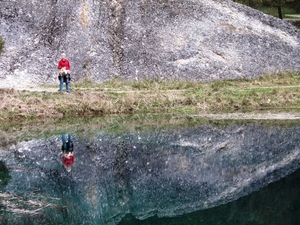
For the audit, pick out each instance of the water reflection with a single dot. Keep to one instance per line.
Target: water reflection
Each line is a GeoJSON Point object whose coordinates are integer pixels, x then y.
{"type": "Point", "coordinates": [4, 175]}
{"type": "Point", "coordinates": [276, 204]}
{"type": "Point", "coordinates": [67, 150]}
{"type": "Point", "coordinates": [163, 173]}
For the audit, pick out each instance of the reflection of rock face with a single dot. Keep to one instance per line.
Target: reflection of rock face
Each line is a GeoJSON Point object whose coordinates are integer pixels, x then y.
{"type": "Point", "coordinates": [165, 173]}
{"type": "Point", "coordinates": [193, 40]}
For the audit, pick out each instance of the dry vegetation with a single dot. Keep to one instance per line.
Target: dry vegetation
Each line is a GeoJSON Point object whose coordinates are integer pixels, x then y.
{"type": "Point", "coordinates": [117, 96]}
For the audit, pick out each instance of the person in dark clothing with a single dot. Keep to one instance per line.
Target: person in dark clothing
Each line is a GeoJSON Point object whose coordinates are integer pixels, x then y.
{"type": "Point", "coordinates": [67, 149]}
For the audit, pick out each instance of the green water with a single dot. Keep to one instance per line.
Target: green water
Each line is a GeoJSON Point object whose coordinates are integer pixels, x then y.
{"type": "Point", "coordinates": [138, 172]}
{"type": "Point", "coordinates": [276, 204]}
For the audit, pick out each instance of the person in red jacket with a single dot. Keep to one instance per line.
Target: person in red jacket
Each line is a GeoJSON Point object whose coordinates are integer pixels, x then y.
{"type": "Point", "coordinates": [64, 72]}
{"type": "Point", "coordinates": [67, 149]}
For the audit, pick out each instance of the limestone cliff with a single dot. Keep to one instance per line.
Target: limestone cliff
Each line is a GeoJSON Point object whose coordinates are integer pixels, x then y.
{"type": "Point", "coordinates": [164, 39]}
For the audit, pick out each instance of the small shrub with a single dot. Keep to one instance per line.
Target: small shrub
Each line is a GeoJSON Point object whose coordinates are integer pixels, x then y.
{"type": "Point", "coordinates": [1, 44]}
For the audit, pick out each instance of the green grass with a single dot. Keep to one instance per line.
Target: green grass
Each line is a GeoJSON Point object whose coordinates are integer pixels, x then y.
{"type": "Point", "coordinates": [274, 11]}
{"type": "Point", "coordinates": [271, 10]}
{"type": "Point", "coordinates": [117, 96]}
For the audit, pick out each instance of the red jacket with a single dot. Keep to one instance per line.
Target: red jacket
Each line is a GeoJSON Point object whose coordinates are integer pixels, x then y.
{"type": "Point", "coordinates": [64, 63]}
{"type": "Point", "coordinates": [68, 161]}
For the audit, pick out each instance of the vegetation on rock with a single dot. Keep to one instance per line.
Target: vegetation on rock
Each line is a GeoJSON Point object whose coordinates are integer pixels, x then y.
{"type": "Point", "coordinates": [1, 44]}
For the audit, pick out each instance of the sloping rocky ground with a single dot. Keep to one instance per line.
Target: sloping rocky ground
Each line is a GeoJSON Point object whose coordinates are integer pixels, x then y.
{"type": "Point", "coordinates": [163, 39]}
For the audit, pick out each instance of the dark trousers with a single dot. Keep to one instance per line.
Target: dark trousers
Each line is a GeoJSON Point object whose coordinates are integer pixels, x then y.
{"type": "Point", "coordinates": [62, 80]}
{"type": "Point", "coordinates": [67, 145]}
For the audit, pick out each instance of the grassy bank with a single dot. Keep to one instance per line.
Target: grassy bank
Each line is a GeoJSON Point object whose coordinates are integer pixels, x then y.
{"type": "Point", "coordinates": [117, 96]}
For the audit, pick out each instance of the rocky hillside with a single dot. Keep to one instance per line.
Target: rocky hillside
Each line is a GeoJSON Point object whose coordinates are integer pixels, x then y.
{"type": "Point", "coordinates": [164, 39]}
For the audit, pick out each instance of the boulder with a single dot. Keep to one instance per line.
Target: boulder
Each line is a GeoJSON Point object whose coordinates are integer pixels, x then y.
{"type": "Point", "coordinates": [197, 40]}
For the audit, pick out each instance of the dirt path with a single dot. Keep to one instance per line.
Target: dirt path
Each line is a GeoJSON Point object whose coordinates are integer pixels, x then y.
{"type": "Point", "coordinates": [261, 115]}
{"type": "Point", "coordinates": [52, 89]}
{"type": "Point", "coordinates": [254, 116]}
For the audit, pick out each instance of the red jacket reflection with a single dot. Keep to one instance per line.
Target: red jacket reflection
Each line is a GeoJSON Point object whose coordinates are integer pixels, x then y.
{"type": "Point", "coordinates": [68, 161]}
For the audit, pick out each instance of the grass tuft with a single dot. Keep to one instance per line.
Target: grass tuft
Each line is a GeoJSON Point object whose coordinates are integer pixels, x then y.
{"type": "Point", "coordinates": [2, 42]}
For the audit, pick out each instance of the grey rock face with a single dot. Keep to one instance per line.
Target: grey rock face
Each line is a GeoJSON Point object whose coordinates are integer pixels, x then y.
{"type": "Point", "coordinates": [163, 39]}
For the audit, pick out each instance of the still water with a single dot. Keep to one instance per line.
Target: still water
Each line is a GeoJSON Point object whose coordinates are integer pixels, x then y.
{"type": "Point", "coordinates": [197, 173]}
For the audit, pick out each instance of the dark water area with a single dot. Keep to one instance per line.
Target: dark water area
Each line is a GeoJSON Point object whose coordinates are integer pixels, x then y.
{"type": "Point", "coordinates": [276, 204]}
{"type": "Point", "coordinates": [206, 173]}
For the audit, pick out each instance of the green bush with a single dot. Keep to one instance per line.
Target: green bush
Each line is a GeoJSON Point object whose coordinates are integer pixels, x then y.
{"type": "Point", "coordinates": [1, 44]}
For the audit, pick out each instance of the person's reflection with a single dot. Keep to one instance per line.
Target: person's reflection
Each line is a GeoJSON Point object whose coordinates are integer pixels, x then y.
{"type": "Point", "coordinates": [67, 149]}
